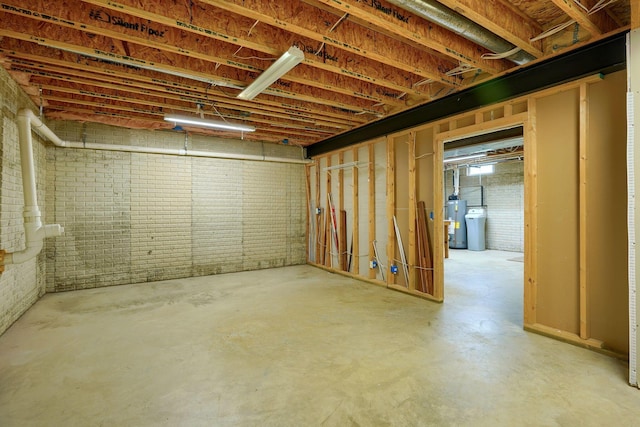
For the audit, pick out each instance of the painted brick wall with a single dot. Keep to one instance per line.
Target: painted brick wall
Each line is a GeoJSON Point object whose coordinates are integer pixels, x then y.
{"type": "Point", "coordinates": [20, 285]}
{"type": "Point", "coordinates": [504, 200]}
{"type": "Point", "coordinates": [133, 217]}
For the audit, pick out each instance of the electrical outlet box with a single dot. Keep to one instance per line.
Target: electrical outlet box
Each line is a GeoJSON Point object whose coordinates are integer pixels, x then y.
{"type": "Point", "coordinates": [318, 211]}
{"type": "Point", "coordinates": [394, 269]}
{"type": "Point", "coordinates": [373, 263]}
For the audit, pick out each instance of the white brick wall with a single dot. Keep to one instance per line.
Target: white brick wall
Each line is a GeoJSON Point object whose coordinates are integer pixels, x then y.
{"type": "Point", "coordinates": [20, 285]}
{"type": "Point", "coordinates": [133, 217]}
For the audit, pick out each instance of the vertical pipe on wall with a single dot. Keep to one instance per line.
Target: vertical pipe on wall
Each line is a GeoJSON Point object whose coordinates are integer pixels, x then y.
{"type": "Point", "coordinates": [34, 231]}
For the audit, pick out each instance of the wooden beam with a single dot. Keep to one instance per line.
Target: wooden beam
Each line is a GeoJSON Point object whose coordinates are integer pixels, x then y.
{"type": "Point", "coordinates": [330, 238]}
{"type": "Point", "coordinates": [306, 21]}
{"type": "Point", "coordinates": [372, 208]}
{"type": "Point", "coordinates": [596, 24]}
{"type": "Point", "coordinates": [319, 223]}
{"type": "Point", "coordinates": [415, 30]}
{"type": "Point", "coordinates": [391, 209]}
{"type": "Point", "coordinates": [438, 217]}
{"type": "Point", "coordinates": [307, 173]}
{"type": "Point", "coordinates": [258, 41]}
{"type": "Point", "coordinates": [36, 34]}
{"type": "Point", "coordinates": [288, 111]}
{"type": "Point", "coordinates": [411, 280]}
{"type": "Point", "coordinates": [503, 20]}
{"type": "Point", "coordinates": [530, 215]}
{"type": "Point", "coordinates": [343, 224]}
{"type": "Point", "coordinates": [583, 219]}
{"type": "Point", "coordinates": [635, 15]}
{"type": "Point", "coordinates": [217, 54]}
{"type": "Point", "coordinates": [355, 255]}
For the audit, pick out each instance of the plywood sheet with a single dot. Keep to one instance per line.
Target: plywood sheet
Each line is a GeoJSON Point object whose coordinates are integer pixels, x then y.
{"type": "Point", "coordinates": [558, 208]}
{"type": "Point", "coordinates": [607, 283]}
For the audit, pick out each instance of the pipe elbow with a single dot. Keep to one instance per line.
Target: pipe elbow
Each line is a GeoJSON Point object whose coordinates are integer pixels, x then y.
{"type": "Point", "coordinates": [34, 245]}
{"type": "Point", "coordinates": [31, 251]}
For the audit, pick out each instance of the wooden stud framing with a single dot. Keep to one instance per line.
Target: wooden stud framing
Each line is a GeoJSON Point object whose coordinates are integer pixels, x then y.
{"type": "Point", "coordinates": [319, 222]}
{"type": "Point", "coordinates": [355, 242]}
{"type": "Point", "coordinates": [329, 240]}
{"type": "Point", "coordinates": [307, 172]}
{"type": "Point", "coordinates": [438, 216]}
{"type": "Point", "coordinates": [582, 190]}
{"type": "Point", "coordinates": [530, 216]}
{"type": "Point", "coordinates": [411, 280]}
{"type": "Point", "coordinates": [372, 208]}
{"type": "Point", "coordinates": [391, 206]}
{"type": "Point", "coordinates": [342, 245]}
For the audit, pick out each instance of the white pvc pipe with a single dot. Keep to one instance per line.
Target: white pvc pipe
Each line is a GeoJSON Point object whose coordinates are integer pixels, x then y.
{"type": "Point", "coordinates": [37, 124]}
{"type": "Point", "coordinates": [34, 231]}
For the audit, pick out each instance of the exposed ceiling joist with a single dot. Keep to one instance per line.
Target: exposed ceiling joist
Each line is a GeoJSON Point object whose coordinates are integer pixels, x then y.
{"type": "Point", "coordinates": [127, 62]}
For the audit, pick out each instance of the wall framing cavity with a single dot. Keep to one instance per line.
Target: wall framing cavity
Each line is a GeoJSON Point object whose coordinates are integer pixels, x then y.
{"type": "Point", "coordinates": [575, 199]}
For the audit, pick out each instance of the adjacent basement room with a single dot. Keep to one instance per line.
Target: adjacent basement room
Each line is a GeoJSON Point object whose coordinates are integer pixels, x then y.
{"type": "Point", "coordinates": [239, 212]}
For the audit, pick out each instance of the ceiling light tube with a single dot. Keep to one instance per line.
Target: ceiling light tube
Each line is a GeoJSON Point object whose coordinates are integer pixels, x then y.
{"type": "Point", "coordinates": [457, 159]}
{"type": "Point", "coordinates": [283, 65]}
{"type": "Point", "coordinates": [216, 124]}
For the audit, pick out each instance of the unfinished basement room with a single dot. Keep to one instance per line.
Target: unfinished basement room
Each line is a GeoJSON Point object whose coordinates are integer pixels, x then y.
{"type": "Point", "coordinates": [319, 212]}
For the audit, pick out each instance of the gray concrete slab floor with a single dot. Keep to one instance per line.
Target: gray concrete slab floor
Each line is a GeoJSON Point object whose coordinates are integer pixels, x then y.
{"type": "Point", "coordinates": [298, 346]}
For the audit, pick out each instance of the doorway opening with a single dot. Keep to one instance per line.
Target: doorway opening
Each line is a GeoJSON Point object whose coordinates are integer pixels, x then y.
{"type": "Point", "coordinates": [484, 199]}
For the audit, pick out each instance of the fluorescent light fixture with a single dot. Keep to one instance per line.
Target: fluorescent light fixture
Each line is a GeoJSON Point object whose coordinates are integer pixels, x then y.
{"type": "Point", "coordinates": [461, 158]}
{"type": "Point", "coordinates": [216, 124]}
{"type": "Point", "coordinates": [282, 66]}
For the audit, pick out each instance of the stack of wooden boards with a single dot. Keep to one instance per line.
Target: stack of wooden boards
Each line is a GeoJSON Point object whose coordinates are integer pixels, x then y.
{"type": "Point", "coordinates": [424, 255]}
{"type": "Point", "coordinates": [331, 238]}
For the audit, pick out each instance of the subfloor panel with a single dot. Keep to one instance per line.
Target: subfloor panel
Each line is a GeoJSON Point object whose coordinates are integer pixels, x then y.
{"type": "Point", "coordinates": [299, 346]}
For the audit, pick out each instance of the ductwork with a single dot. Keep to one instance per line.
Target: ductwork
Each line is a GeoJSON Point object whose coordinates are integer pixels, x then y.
{"type": "Point", "coordinates": [439, 14]}
{"type": "Point", "coordinates": [34, 231]}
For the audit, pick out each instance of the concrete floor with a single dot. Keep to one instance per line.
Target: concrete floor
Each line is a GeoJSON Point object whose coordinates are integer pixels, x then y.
{"type": "Point", "coordinates": [298, 346]}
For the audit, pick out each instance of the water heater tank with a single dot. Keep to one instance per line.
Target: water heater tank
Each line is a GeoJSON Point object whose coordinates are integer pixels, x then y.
{"type": "Point", "coordinates": [456, 210]}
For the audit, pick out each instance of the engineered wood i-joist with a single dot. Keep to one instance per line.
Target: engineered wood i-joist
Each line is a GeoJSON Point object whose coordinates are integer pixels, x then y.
{"type": "Point", "coordinates": [258, 41]}
{"type": "Point", "coordinates": [417, 31]}
{"type": "Point", "coordinates": [216, 53]}
{"type": "Point", "coordinates": [202, 94]}
{"type": "Point", "coordinates": [502, 20]}
{"type": "Point", "coordinates": [388, 52]}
